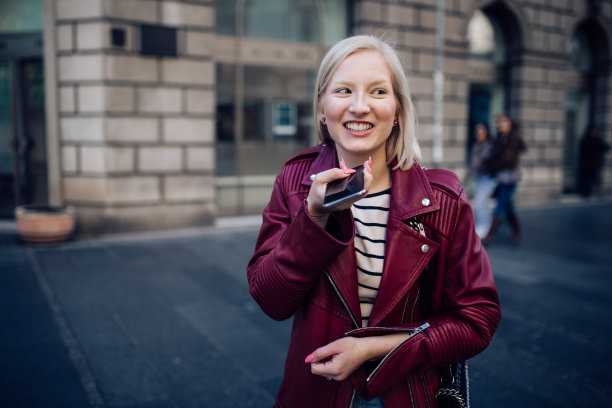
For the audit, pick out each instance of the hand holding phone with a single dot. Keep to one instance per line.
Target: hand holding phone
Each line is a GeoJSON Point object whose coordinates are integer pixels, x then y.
{"type": "Point", "coordinates": [346, 189]}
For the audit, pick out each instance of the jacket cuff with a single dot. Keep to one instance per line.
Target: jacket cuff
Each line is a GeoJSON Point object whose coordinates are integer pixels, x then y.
{"type": "Point", "coordinates": [408, 356]}
{"type": "Point", "coordinates": [306, 247]}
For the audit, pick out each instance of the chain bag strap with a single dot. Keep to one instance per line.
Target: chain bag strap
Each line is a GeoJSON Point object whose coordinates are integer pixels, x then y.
{"type": "Point", "coordinates": [454, 388]}
{"type": "Point", "coordinates": [454, 391]}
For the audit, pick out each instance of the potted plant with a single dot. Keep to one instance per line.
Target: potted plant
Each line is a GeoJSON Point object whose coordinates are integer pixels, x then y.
{"type": "Point", "coordinates": [44, 224]}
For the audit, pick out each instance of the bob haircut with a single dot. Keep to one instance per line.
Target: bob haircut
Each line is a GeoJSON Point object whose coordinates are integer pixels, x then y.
{"type": "Point", "coordinates": [402, 143]}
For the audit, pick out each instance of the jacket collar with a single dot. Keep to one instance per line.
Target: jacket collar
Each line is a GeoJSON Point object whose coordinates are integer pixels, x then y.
{"type": "Point", "coordinates": [411, 195]}
{"type": "Point", "coordinates": [326, 160]}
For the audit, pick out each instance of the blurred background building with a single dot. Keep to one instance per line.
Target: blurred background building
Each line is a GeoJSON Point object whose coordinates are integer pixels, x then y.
{"type": "Point", "coordinates": [151, 114]}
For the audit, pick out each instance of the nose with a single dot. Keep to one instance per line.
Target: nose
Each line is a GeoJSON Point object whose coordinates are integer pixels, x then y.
{"type": "Point", "coordinates": [359, 104]}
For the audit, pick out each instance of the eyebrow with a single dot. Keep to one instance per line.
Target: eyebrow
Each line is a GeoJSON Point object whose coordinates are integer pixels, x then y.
{"type": "Point", "coordinates": [373, 83]}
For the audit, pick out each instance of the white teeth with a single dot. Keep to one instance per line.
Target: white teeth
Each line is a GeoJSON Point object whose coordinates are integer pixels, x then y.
{"type": "Point", "coordinates": [358, 127]}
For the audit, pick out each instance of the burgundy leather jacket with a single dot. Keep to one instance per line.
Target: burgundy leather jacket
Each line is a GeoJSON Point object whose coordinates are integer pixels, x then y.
{"type": "Point", "coordinates": [303, 271]}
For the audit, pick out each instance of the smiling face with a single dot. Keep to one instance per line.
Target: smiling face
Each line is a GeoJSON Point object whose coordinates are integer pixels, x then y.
{"type": "Point", "coordinates": [359, 107]}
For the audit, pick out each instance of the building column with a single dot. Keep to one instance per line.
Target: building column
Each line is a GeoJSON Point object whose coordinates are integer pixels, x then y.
{"type": "Point", "coordinates": [135, 131]}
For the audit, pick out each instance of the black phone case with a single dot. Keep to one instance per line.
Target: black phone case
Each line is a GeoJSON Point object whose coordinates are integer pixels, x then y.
{"type": "Point", "coordinates": [346, 188]}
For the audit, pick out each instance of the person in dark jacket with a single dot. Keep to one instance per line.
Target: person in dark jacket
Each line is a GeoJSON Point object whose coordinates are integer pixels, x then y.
{"type": "Point", "coordinates": [591, 159]}
{"type": "Point", "coordinates": [484, 183]}
{"type": "Point", "coordinates": [387, 288]}
{"type": "Point", "coordinates": [504, 164]}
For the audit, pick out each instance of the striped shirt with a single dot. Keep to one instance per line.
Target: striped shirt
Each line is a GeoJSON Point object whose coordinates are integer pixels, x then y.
{"type": "Point", "coordinates": [370, 214]}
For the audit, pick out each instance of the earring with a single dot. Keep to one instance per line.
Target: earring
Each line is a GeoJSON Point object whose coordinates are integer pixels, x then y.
{"type": "Point", "coordinates": [323, 120]}
{"type": "Point", "coordinates": [394, 121]}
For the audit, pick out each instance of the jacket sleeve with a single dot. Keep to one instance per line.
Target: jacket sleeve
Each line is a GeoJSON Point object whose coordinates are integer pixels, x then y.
{"type": "Point", "coordinates": [462, 328]}
{"type": "Point", "coordinates": [291, 253]}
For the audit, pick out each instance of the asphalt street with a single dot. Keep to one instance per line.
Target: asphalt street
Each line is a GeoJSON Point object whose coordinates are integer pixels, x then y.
{"type": "Point", "coordinates": [166, 320]}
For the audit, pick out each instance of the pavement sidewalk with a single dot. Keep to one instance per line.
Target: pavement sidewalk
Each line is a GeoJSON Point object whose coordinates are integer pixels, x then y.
{"type": "Point", "coordinates": [166, 320]}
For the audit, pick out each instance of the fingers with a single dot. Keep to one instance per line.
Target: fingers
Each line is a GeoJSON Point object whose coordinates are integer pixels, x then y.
{"type": "Point", "coordinates": [336, 360]}
{"type": "Point", "coordinates": [367, 174]}
{"type": "Point", "coordinates": [330, 175]}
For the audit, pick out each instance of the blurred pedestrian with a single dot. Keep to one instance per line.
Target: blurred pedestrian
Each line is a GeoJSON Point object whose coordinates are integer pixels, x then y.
{"type": "Point", "coordinates": [592, 151]}
{"type": "Point", "coordinates": [504, 163]}
{"type": "Point", "coordinates": [482, 177]}
{"type": "Point", "coordinates": [386, 288]}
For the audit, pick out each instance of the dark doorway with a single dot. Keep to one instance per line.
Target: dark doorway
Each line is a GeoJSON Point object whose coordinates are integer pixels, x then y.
{"type": "Point", "coordinates": [23, 156]}
{"type": "Point", "coordinates": [479, 112]}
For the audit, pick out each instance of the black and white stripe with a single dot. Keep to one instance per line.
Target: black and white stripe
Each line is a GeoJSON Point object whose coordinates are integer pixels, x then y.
{"type": "Point", "coordinates": [370, 214]}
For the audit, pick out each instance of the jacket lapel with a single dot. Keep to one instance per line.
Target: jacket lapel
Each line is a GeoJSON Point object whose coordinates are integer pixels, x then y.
{"type": "Point", "coordinates": [326, 160]}
{"type": "Point", "coordinates": [343, 270]}
{"type": "Point", "coordinates": [406, 252]}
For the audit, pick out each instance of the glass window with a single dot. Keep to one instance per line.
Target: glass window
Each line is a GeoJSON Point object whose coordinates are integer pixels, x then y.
{"type": "Point", "coordinates": [275, 95]}
{"type": "Point", "coordinates": [284, 119]}
{"type": "Point", "coordinates": [264, 87]}
{"type": "Point", "coordinates": [581, 53]}
{"type": "Point", "coordinates": [21, 15]}
{"type": "Point", "coordinates": [485, 38]}
{"type": "Point", "coordinates": [295, 20]}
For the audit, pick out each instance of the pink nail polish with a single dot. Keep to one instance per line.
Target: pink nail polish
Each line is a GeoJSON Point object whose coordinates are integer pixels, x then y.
{"type": "Point", "coordinates": [309, 359]}
{"type": "Point", "coordinates": [349, 171]}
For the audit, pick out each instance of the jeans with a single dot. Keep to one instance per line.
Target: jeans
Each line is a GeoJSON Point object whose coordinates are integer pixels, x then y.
{"type": "Point", "coordinates": [358, 402]}
{"type": "Point", "coordinates": [482, 196]}
{"type": "Point", "coordinates": [505, 203]}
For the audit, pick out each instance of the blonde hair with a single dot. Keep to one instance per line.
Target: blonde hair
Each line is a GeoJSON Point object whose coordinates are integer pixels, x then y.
{"type": "Point", "coordinates": [402, 144]}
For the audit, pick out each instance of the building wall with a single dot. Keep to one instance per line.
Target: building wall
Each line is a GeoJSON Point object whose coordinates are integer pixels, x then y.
{"type": "Point", "coordinates": [540, 79]}
{"type": "Point", "coordinates": [135, 132]}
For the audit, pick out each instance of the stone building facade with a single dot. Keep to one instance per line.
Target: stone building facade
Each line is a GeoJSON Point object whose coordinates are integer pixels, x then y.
{"type": "Point", "coordinates": [535, 75]}
{"type": "Point", "coordinates": [135, 132]}
{"type": "Point", "coordinates": [138, 94]}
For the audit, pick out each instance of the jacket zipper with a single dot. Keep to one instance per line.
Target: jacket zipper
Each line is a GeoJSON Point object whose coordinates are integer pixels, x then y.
{"type": "Point", "coordinates": [425, 389]}
{"type": "Point", "coordinates": [417, 330]}
{"type": "Point", "coordinates": [411, 393]}
{"type": "Point", "coordinates": [406, 305]}
{"type": "Point", "coordinates": [352, 398]}
{"type": "Point", "coordinates": [348, 309]}
{"type": "Point", "coordinates": [416, 299]}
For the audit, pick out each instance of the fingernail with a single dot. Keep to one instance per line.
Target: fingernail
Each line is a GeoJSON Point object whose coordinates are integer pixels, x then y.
{"type": "Point", "coordinates": [349, 171]}
{"type": "Point", "coordinates": [309, 359]}
{"type": "Point", "coordinates": [370, 161]}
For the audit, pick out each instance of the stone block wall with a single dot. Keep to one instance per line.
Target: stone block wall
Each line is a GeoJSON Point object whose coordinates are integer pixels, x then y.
{"type": "Point", "coordinates": [411, 27]}
{"type": "Point", "coordinates": [539, 80]}
{"type": "Point", "coordinates": [136, 132]}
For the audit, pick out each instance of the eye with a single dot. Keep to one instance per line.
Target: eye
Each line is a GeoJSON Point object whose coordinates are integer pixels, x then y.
{"type": "Point", "coordinates": [343, 91]}
{"type": "Point", "coordinates": [379, 91]}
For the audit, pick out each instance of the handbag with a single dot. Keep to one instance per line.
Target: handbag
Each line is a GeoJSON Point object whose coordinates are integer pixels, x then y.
{"type": "Point", "coordinates": [454, 391]}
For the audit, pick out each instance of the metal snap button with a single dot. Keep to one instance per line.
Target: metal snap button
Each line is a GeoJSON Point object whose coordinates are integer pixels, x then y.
{"type": "Point", "coordinates": [425, 248]}
{"type": "Point", "coordinates": [425, 202]}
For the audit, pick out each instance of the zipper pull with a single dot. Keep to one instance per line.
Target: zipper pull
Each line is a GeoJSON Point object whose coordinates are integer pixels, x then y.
{"type": "Point", "coordinates": [421, 328]}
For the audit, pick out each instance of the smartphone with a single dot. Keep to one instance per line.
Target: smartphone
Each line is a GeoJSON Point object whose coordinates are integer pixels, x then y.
{"type": "Point", "coordinates": [346, 189]}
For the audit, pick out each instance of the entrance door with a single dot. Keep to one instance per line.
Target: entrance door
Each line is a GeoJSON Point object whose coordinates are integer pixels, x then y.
{"type": "Point", "coordinates": [23, 164]}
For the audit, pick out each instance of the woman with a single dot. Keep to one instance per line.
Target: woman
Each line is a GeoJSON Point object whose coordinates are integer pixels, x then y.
{"type": "Point", "coordinates": [483, 179]}
{"type": "Point", "coordinates": [358, 279]}
{"type": "Point", "coordinates": [504, 162]}
{"type": "Point", "coordinates": [590, 161]}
